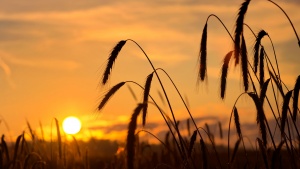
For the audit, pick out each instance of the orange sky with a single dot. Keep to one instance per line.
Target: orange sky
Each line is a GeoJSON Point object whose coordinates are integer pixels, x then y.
{"type": "Point", "coordinates": [52, 55]}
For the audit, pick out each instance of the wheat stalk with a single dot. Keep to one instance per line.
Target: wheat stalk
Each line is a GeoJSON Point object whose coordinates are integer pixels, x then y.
{"type": "Point", "coordinates": [259, 36]}
{"type": "Point", "coordinates": [263, 91]}
{"type": "Point", "coordinates": [260, 117]}
{"type": "Point", "coordinates": [58, 138]}
{"type": "Point", "coordinates": [285, 107]}
{"type": "Point", "coordinates": [130, 146]}
{"type": "Point", "coordinates": [244, 64]}
{"type": "Point", "coordinates": [4, 148]}
{"type": "Point", "coordinates": [111, 60]}
{"type": "Point", "coordinates": [261, 67]}
{"type": "Point", "coordinates": [263, 152]}
{"type": "Point", "coordinates": [110, 93]}
{"type": "Point", "coordinates": [146, 95]}
{"type": "Point", "coordinates": [204, 154]}
{"type": "Point", "coordinates": [237, 122]}
{"type": "Point", "coordinates": [239, 29]}
{"type": "Point", "coordinates": [235, 149]}
{"type": "Point", "coordinates": [203, 53]}
{"type": "Point", "coordinates": [192, 142]}
{"type": "Point", "coordinates": [224, 73]}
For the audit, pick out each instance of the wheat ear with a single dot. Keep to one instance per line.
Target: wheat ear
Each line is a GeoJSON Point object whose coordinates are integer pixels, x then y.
{"type": "Point", "coordinates": [109, 94]}
{"type": "Point", "coordinates": [260, 117]}
{"type": "Point", "coordinates": [259, 36]}
{"type": "Point", "coordinates": [239, 29]}
{"type": "Point", "coordinates": [203, 54]}
{"type": "Point", "coordinates": [111, 60]}
{"type": "Point", "coordinates": [192, 142]}
{"type": "Point", "coordinates": [224, 73]}
{"type": "Point", "coordinates": [146, 95]}
{"type": "Point", "coordinates": [237, 122]}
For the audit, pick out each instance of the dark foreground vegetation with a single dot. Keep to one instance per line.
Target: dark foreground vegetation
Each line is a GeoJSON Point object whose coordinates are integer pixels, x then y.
{"type": "Point", "coordinates": [262, 83]}
{"type": "Point", "coordinates": [261, 80]}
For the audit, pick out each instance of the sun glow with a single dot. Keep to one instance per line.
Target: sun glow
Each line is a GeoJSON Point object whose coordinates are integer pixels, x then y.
{"type": "Point", "coordinates": [71, 125]}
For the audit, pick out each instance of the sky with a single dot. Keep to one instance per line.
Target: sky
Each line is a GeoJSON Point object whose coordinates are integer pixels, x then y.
{"type": "Point", "coordinates": [53, 53]}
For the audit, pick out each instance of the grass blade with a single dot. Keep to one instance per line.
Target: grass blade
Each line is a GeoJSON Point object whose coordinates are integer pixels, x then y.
{"type": "Point", "coordinates": [108, 95]}
{"type": "Point", "coordinates": [111, 60]}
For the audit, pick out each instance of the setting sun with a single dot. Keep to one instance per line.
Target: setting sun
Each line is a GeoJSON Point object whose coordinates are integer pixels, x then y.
{"type": "Point", "coordinates": [71, 125]}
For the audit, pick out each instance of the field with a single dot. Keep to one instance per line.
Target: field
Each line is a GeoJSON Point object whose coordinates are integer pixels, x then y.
{"type": "Point", "coordinates": [276, 146]}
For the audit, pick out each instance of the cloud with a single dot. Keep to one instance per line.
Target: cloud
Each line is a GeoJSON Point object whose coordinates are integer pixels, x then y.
{"type": "Point", "coordinates": [44, 63]}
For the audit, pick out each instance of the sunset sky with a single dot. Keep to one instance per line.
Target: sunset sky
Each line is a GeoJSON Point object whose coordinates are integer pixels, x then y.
{"type": "Point", "coordinates": [53, 53]}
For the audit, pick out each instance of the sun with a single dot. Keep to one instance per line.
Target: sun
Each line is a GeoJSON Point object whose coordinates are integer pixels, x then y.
{"type": "Point", "coordinates": [71, 125]}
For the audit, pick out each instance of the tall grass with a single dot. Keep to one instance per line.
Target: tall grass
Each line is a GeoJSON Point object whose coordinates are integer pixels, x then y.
{"type": "Point", "coordinates": [261, 62]}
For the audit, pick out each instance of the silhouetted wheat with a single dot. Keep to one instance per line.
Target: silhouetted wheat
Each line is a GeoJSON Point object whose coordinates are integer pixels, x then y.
{"type": "Point", "coordinates": [295, 98]}
{"type": "Point", "coordinates": [110, 93]}
{"type": "Point", "coordinates": [204, 154]}
{"type": "Point", "coordinates": [146, 95]}
{"type": "Point", "coordinates": [285, 107]}
{"type": "Point", "coordinates": [263, 152]}
{"type": "Point", "coordinates": [237, 122]}
{"type": "Point", "coordinates": [239, 29]}
{"type": "Point", "coordinates": [224, 73]}
{"type": "Point", "coordinates": [59, 142]}
{"type": "Point", "coordinates": [260, 117]}
{"type": "Point", "coordinates": [276, 154]}
{"type": "Point", "coordinates": [279, 86]}
{"type": "Point", "coordinates": [244, 64]}
{"type": "Point", "coordinates": [203, 54]}
{"type": "Point", "coordinates": [192, 142]}
{"type": "Point", "coordinates": [16, 149]}
{"type": "Point", "coordinates": [111, 60]}
{"type": "Point", "coordinates": [263, 91]}
{"type": "Point", "coordinates": [260, 35]}
{"type": "Point", "coordinates": [261, 67]}
{"type": "Point", "coordinates": [235, 149]}
{"type": "Point", "coordinates": [130, 145]}
{"type": "Point", "coordinates": [4, 148]}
